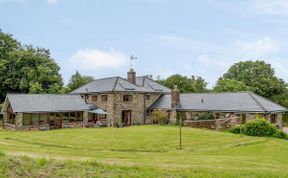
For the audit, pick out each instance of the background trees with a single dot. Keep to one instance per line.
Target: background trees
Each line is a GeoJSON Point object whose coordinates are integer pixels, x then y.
{"type": "Point", "coordinates": [185, 84]}
{"type": "Point", "coordinates": [256, 76]}
{"type": "Point", "coordinates": [25, 69]}
{"type": "Point", "coordinates": [77, 80]}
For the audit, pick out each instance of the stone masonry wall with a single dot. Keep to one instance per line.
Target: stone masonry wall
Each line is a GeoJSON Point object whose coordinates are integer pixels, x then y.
{"type": "Point", "coordinates": [136, 106]}
{"type": "Point", "coordinates": [108, 105]}
{"type": "Point", "coordinates": [218, 124]}
{"type": "Point", "coordinates": [115, 105]}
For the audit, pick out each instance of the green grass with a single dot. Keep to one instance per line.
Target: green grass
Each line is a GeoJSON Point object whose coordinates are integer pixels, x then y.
{"type": "Point", "coordinates": [140, 151]}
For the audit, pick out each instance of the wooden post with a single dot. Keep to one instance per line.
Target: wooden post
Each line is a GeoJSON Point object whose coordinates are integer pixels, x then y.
{"type": "Point", "coordinates": [39, 115]}
{"type": "Point", "coordinates": [60, 124]}
{"type": "Point", "coordinates": [48, 118]}
{"type": "Point", "coordinates": [54, 120]}
{"type": "Point", "coordinates": [30, 119]}
{"type": "Point", "coordinates": [180, 117]}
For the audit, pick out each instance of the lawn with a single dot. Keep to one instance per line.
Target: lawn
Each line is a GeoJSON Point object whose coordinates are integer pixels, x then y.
{"type": "Point", "coordinates": [140, 151]}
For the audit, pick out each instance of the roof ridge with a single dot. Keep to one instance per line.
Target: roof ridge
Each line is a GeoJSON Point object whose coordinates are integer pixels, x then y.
{"type": "Point", "coordinates": [251, 95]}
{"type": "Point", "coordinates": [31, 94]}
{"type": "Point", "coordinates": [268, 100]}
{"type": "Point", "coordinates": [115, 84]}
{"type": "Point", "coordinates": [219, 92]}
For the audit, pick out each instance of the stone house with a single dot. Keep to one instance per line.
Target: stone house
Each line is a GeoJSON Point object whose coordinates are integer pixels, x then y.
{"type": "Point", "coordinates": [228, 109]}
{"type": "Point", "coordinates": [130, 102]}
{"type": "Point", "coordinates": [126, 100]}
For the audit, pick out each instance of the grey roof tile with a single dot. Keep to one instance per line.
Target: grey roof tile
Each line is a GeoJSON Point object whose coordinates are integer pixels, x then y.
{"type": "Point", "coordinates": [151, 84]}
{"type": "Point", "coordinates": [225, 102]}
{"type": "Point", "coordinates": [46, 103]}
{"type": "Point", "coordinates": [118, 84]}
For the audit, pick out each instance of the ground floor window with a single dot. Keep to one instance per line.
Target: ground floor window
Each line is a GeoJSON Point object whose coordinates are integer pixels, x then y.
{"type": "Point", "coordinates": [53, 119]}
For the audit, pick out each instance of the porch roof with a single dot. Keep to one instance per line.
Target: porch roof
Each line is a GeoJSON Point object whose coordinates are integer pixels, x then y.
{"type": "Point", "coordinates": [33, 103]}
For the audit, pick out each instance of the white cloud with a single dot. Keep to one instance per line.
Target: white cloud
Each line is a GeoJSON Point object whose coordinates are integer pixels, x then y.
{"type": "Point", "coordinates": [90, 59]}
{"type": "Point", "coordinates": [274, 7]}
{"type": "Point", "coordinates": [260, 48]}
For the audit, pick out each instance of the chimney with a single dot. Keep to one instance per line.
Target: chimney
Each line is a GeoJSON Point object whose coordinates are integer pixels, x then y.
{"type": "Point", "coordinates": [175, 98]}
{"type": "Point", "coordinates": [131, 76]}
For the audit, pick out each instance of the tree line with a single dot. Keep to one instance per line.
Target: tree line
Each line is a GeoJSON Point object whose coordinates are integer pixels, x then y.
{"type": "Point", "coordinates": [28, 69]}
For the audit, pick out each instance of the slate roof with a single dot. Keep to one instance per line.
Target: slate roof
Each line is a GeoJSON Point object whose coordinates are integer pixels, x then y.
{"type": "Point", "coordinates": [220, 102]}
{"type": "Point", "coordinates": [149, 83]}
{"type": "Point", "coordinates": [45, 103]}
{"type": "Point", "coordinates": [113, 84]}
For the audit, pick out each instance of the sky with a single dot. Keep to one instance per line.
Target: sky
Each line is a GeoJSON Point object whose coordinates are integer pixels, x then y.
{"type": "Point", "coordinates": [188, 37]}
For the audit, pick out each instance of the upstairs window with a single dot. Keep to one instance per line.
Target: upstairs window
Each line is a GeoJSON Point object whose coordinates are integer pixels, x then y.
{"type": "Point", "coordinates": [104, 98]}
{"type": "Point", "coordinates": [127, 97]}
{"type": "Point", "coordinates": [147, 97]}
{"type": "Point", "coordinates": [94, 98]}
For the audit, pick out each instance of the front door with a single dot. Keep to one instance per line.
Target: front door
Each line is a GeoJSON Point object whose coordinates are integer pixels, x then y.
{"type": "Point", "coordinates": [126, 117]}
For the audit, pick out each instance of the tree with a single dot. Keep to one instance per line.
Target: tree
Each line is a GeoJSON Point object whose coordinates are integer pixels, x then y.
{"type": "Point", "coordinates": [25, 69]}
{"type": "Point", "coordinates": [77, 80]}
{"type": "Point", "coordinates": [225, 85]}
{"type": "Point", "coordinates": [258, 77]}
{"type": "Point", "coordinates": [185, 84]}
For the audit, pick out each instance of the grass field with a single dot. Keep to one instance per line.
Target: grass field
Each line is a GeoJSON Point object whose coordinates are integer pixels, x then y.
{"type": "Point", "coordinates": [140, 151]}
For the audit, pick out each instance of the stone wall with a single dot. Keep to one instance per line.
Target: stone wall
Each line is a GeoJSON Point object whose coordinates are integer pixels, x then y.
{"type": "Point", "coordinates": [36, 127]}
{"type": "Point", "coordinates": [115, 105]}
{"type": "Point", "coordinates": [136, 106]}
{"type": "Point", "coordinates": [19, 121]}
{"type": "Point", "coordinates": [67, 124]}
{"type": "Point", "coordinates": [108, 105]}
{"type": "Point", "coordinates": [218, 124]}
{"type": "Point", "coordinates": [101, 123]}
{"type": "Point", "coordinates": [9, 126]}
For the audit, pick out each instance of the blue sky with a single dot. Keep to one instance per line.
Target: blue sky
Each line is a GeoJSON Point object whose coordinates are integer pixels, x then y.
{"type": "Point", "coordinates": [188, 37]}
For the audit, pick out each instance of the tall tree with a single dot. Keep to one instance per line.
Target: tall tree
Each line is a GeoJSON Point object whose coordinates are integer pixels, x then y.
{"type": "Point", "coordinates": [77, 80]}
{"type": "Point", "coordinates": [185, 84]}
{"type": "Point", "coordinates": [25, 69]}
{"type": "Point", "coordinates": [225, 85]}
{"type": "Point", "coordinates": [257, 76]}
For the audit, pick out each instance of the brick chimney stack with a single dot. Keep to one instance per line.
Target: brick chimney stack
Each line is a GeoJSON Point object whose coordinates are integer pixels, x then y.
{"type": "Point", "coordinates": [175, 98]}
{"type": "Point", "coordinates": [131, 76]}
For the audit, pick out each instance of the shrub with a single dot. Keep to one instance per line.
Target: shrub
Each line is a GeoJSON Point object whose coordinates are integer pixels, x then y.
{"type": "Point", "coordinates": [160, 116]}
{"type": "Point", "coordinates": [237, 130]}
{"type": "Point", "coordinates": [182, 116]}
{"type": "Point", "coordinates": [260, 128]}
{"type": "Point", "coordinates": [206, 116]}
{"type": "Point", "coordinates": [281, 134]}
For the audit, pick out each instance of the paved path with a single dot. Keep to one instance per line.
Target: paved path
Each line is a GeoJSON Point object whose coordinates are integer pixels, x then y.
{"type": "Point", "coordinates": [285, 129]}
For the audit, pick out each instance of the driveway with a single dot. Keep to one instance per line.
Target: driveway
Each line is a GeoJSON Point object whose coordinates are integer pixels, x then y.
{"type": "Point", "coordinates": [285, 129]}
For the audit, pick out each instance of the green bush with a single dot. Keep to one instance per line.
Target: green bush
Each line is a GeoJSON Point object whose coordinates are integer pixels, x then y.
{"type": "Point", "coordinates": [261, 128]}
{"type": "Point", "coordinates": [237, 130]}
{"type": "Point", "coordinates": [160, 116]}
{"type": "Point", "coordinates": [281, 134]}
{"type": "Point", "coordinates": [206, 116]}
